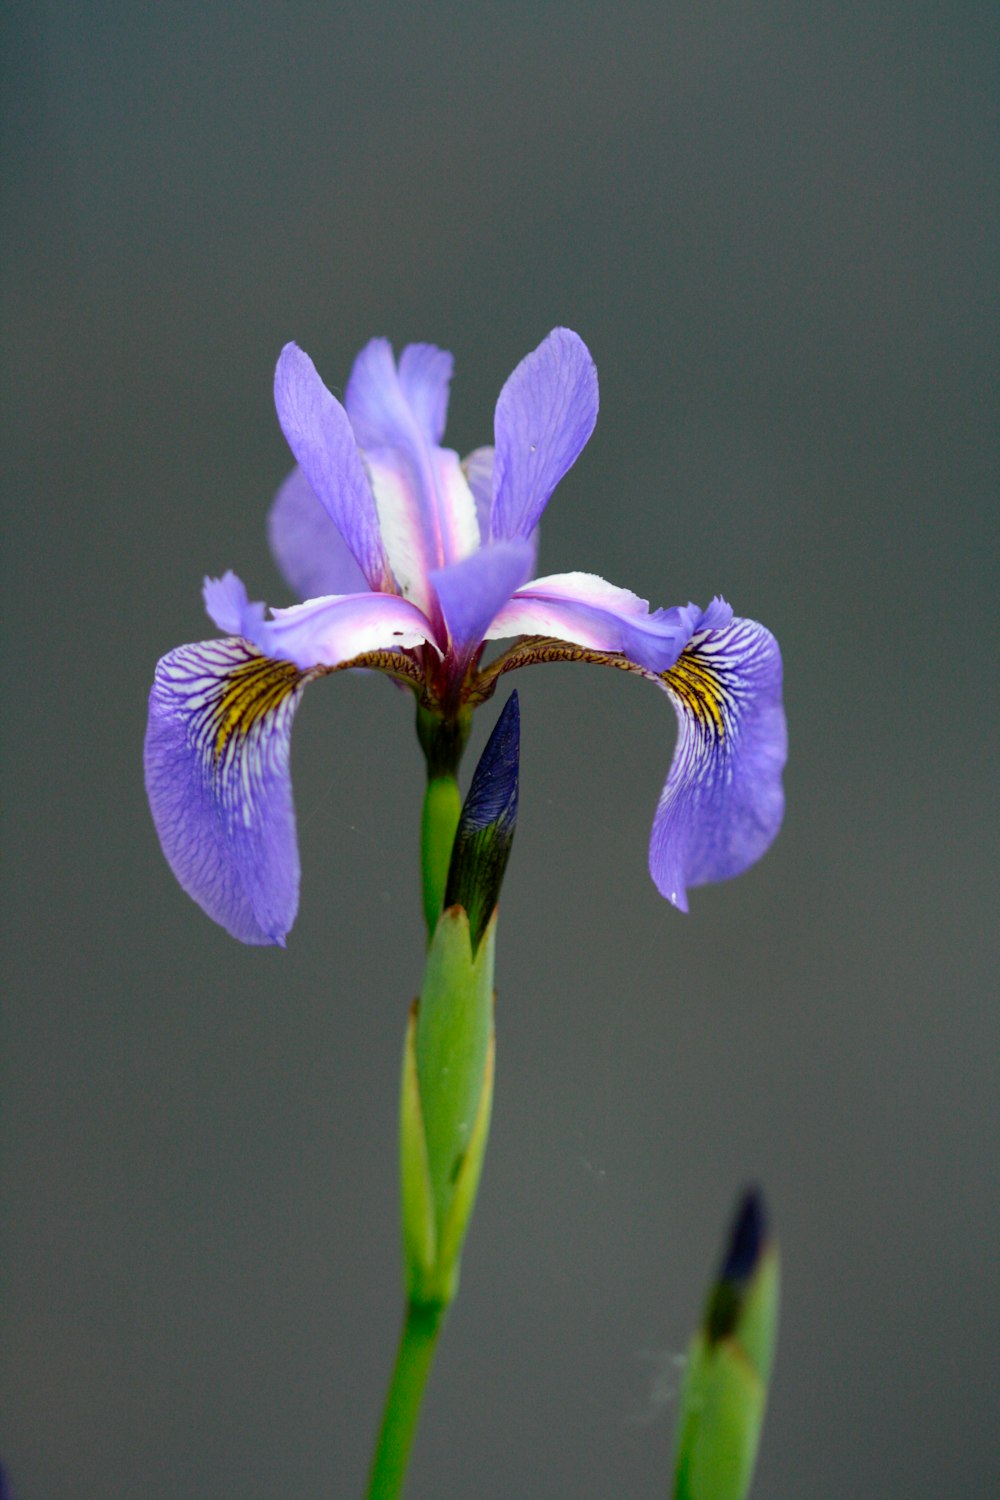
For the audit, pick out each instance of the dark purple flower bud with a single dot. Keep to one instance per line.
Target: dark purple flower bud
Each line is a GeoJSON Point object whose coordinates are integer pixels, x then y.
{"type": "Point", "coordinates": [486, 827]}
{"type": "Point", "coordinates": [747, 1239]}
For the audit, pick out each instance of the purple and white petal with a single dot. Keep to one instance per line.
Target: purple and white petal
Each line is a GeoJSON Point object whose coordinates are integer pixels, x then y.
{"type": "Point", "coordinates": [313, 557]}
{"type": "Point", "coordinates": [320, 435]}
{"type": "Point", "coordinates": [586, 611]}
{"type": "Point", "coordinates": [327, 632]}
{"type": "Point", "coordinates": [472, 592]}
{"type": "Point", "coordinates": [415, 540]}
{"type": "Point", "coordinates": [723, 801]}
{"type": "Point", "coordinates": [216, 761]}
{"type": "Point", "coordinates": [545, 414]}
{"type": "Point", "coordinates": [426, 510]}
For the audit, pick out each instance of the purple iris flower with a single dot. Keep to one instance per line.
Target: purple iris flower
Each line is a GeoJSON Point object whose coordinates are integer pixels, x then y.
{"type": "Point", "coordinates": [409, 561]}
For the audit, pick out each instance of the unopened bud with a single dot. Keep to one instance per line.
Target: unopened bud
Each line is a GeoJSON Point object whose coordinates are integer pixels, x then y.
{"type": "Point", "coordinates": [486, 826]}
{"type": "Point", "coordinates": [729, 1366]}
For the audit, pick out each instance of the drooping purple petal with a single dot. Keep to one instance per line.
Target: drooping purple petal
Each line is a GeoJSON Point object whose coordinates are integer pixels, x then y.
{"type": "Point", "coordinates": [313, 557]}
{"type": "Point", "coordinates": [545, 414]}
{"type": "Point", "coordinates": [216, 761]}
{"type": "Point", "coordinates": [320, 435]}
{"type": "Point", "coordinates": [723, 801]}
{"type": "Point", "coordinates": [587, 611]}
{"type": "Point", "coordinates": [472, 592]}
{"type": "Point", "coordinates": [327, 632]}
{"type": "Point", "coordinates": [426, 510]}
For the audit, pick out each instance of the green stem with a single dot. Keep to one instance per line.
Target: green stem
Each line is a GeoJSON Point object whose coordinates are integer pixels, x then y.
{"type": "Point", "coordinates": [402, 1403]}
{"type": "Point", "coordinates": [442, 806]}
{"type": "Point", "coordinates": [442, 741]}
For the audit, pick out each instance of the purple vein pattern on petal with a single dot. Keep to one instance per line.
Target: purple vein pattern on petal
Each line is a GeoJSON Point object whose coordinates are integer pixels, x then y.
{"type": "Point", "coordinates": [216, 761]}
{"type": "Point", "coordinates": [426, 509]}
{"type": "Point", "coordinates": [723, 801]}
{"type": "Point", "coordinates": [472, 591]}
{"type": "Point", "coordinates": [319, 434]}
{"type": "Point", "coordinates": [587, 611]}
{"type": "Point", "coordinates": [545, 414]}
{"type": "Point", "coordinates": [313, 557]}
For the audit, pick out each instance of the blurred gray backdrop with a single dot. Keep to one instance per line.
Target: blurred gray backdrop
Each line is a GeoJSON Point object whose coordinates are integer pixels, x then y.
{"type": "Point", "coordinates": [775, 226]}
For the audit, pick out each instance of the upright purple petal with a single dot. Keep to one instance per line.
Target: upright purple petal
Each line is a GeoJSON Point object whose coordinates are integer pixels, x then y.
{"type": "Point", "coordinates": [229, 607]}
{"type": "Point", "coordinates": [313, 557]}
{"type": "Point", "coordinates": [216, 761]}
{"type": "Point", "coordinates": [723, 801]}
{"type": "Point", "coordinates": [320, 435]}
{"type": "Point", "coordinates": [545, 414]}
{"type": "Point", "coordinates": [426, 510]}
{"type": "Point", "coordinates": [414, 540]}
{"type": "Point", "coordinates": [383, 401]}
{"type": "Point", "coordinates": [586, 611]}
{"type": "Point", "coordinates": [477, 467]}
{"type": "Point", "coordinates": [471, 592]}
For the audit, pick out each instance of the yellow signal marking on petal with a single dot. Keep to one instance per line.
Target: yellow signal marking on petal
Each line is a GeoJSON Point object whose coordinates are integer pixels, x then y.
{"type": "Point", "coordinates": [700, 689]}
{"type": "Point", "coordinates": [252, 691]}
{"type": "Point", "coordinates": [693, 679]}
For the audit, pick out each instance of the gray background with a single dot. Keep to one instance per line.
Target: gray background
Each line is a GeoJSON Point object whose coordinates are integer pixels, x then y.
{"type": "Point", "coordinates": [773, 225]}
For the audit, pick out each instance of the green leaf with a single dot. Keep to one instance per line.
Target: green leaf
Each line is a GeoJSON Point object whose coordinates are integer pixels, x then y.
{"type": "Point", "coordinates": [447, 1095]}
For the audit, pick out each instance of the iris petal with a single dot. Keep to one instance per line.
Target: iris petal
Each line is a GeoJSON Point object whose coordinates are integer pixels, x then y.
{"type": "Point", "coordinates": [723, 801]}
{"type": "Point", "coordinates": [228, 606]}
{"type": "Point", "coordinates": [472, 591]}
{"type": "Point", "coordinates": [426, 509]}
{"type": "Point", "coordinates": [385, 404]}
{"type": "Point", "coordinates": [327, 632]}
{"type": "Point", "coordinates": [216, 761]}
{"type": "Point", "coordinates": [416, 539]}
{"type": "Point", "coordinates": [319, 434]}
{"type": "Point", "coordinates": [323, 632]}
{"type": "Point", "coordinates": [587, 611]}
{"type": "Point", "coordinates": [477, 467]}
{"type": "Point", "coordinates": [545, 414]}
{"type": "Point", "coordinates": [313, 557]}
